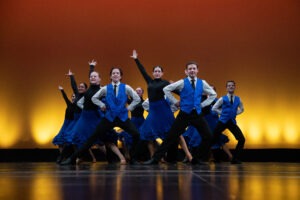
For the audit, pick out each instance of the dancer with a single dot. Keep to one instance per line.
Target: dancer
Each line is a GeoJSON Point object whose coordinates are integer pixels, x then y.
{"type": "Point", "coordinates": [137, 118]}
{"type": "Point", "coordinates": [228, 107]}
{"type": "Point", "coordinates": [59, 139]}
{"type": "Point", "coordinates": [116, 113]}
{"type": "Point", "coordinates": [160, 117]}
{"type": "Point", "coordinates": [191, 89]}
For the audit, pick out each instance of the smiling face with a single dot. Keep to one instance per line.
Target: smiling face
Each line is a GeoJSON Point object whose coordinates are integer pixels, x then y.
{"type": "Point", "coordinates": [115, 75]}
{"type": "Point", "coordinates": [94, 78]}
{"type": "Point", "coordinates": [191, 70]}
{"type": "Point", "coordinates": [82, 88]}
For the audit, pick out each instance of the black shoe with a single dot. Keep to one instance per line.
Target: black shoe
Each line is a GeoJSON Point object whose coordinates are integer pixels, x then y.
{"type": "Point", "coordinates": [196, 161]}
{"type": "Point", "coordinates": [68, 161]}
{"type": "Point", "coordinates": [59, 159]}
{"type": "Point", "coordinates": [236, 162]}
{"type": "Point", "coordinates": [152, 161]}
{"type": "Point", "coordinates": [134, 162]}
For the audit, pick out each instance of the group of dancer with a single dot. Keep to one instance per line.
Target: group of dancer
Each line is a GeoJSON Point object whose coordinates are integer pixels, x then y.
{"type": "Point", "coordinates": [94, 112]}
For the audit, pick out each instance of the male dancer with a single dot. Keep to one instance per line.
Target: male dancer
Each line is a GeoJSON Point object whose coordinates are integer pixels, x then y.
{"type": "Point", "coordinates": [116, 113]}
{"type": "Point", "coordinates": [228, 107]}
{"type": "Point", "coordinates": [191, 89]}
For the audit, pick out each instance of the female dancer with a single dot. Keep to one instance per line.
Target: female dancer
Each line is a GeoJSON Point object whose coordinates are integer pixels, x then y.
{"type": "Point", "coordinates": [59, 139]}
{"type": "Point", "coordinates": [90, 117]}
{"type": "Point", "coordinates": [160, 116]}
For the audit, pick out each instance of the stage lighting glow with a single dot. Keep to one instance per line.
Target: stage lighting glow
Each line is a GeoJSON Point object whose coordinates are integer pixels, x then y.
{"type": "Point", "coordinates": [45, 123]}
{"type": "Point", "coordinates": [9, 132]}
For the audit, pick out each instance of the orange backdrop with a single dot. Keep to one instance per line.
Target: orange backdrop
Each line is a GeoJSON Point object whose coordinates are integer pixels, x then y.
{"type": "Point", "coordinates": [256, 43]}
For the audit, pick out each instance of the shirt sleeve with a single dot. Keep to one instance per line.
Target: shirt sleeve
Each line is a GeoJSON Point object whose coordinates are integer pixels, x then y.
{"type": "Point", "coordinates": [96, 98]}
{"type": "Point", "coordinates": [135, 98]}
{"type": "Point", "coordinates": [80, 102]}
{"type": "Point", "coordinates": [240, 108]}
{"type": "Point", "coordinates": [145, 104]}
{"type": "Point", "coordinates": [211, 94]}
{"type": "Point", "coordinates": [178, 85]}
{"type": "Point", "coordinates": [217, 106]}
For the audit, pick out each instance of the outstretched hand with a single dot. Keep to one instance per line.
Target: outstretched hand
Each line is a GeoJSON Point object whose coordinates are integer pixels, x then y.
{"type": "Point", "coordinates": [134, 54]}
{"type": "Point", "coordinates": [70, 73]}
{"type": "Point", "coordinates": [93, 62]}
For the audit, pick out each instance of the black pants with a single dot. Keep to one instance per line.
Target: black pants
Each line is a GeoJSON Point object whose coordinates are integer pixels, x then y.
{"type": "Point", "coordinates": [182, 121]}
{"type": "Point", "coordinates": [236, 131]}
{"type": "Point", "coordinates": [103, 127]}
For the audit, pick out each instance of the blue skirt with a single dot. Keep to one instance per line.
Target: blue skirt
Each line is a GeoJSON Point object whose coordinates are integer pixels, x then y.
{"type": "Point", "coordinates": [126, 138]}
{"type": "Point", "coordinates": [68, 134]}
{"type": "Point", "coordinates": [85, 127]}
{"type": "Point", "coordinates": [212, 120]}
{"type": "Point", "coordinates": [137, 121]}
{"type": "Point", "coordinates": [59, 139]}
{"type": "Point", "coordinates": [193, 139]}
{"type": "Point", "coordinates": [158, 121]}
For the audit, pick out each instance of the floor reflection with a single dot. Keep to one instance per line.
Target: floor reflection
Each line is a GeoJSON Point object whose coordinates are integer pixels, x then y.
{"type": "Point", "coordinates": [45, 181]}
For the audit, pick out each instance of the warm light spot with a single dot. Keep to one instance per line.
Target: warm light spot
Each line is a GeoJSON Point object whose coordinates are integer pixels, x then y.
{"type": "Point", "coordinates": [159, 141]}
{"type": "Point", "coordinates": [49, 184]}
{"type": "Point", "coordinates": [255, 133]}
{"type": "Point", "coordinates": [9, 128]}
{"type": "Point", "coordinates": [290, 134]}
{"type": "Point", "coordinates": [273, 133]}
{"type": "Point", "coordinates": [46, 123]}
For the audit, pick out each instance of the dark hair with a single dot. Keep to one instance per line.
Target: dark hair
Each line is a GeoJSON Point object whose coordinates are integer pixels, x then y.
{"type": "Point", "coordinates": [230, 81]}
{"type": "Point", "coordinates": [121, 72]}
{"type": "Point", "coordinates": [191, 63]}
{"type": "Point", "coordinates": [85, 85]}
{"type": "Point", "coordinates": [158, 67]}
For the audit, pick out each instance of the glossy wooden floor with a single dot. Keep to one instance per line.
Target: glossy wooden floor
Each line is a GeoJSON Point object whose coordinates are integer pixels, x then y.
{"type": "Point", "coordinates": [43, 181]}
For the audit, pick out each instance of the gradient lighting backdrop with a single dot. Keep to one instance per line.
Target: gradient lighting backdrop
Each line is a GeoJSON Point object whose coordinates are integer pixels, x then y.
{"type": "Point", "coordinates": [254, 42]}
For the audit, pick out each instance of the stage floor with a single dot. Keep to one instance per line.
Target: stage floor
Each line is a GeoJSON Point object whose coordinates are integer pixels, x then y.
{"type": "Point", "coordinates": [46, 180]}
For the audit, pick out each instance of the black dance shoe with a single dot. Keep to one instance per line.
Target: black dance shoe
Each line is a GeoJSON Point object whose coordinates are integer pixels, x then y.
{"type": "Point", "coordinates": [196, 161]}
{"type": "Point", "coordinates": [152, 161]}
{"type": "Point", "coordinates": [68, 161]}
{"type": "Point", "coordinates": [236, 162]}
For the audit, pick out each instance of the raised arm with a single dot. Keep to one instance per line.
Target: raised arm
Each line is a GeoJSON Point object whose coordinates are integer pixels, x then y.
{"type": "Point", "coordinates": [92, 64]}
{"type": "Point", "coordinates": [68, 102]}
{"type": "Point", "coordinates": [140, 66]}
{"type": "Point", "coordinates": [73, 82]}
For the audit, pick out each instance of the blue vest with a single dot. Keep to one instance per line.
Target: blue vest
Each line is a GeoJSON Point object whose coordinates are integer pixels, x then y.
{"type": "Point", "coordinates": [229, 110]}
{"type": "Point", "coordinates": [189, 98]}
{"type": "Point", "coordinates": [116, 105]}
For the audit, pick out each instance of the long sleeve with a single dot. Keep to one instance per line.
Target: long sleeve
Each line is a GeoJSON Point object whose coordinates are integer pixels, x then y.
{"type": "Point", "coordinates": [80, 102]}
{"type": "Point", "coordinates": [68, 102]}
{"type": "Point", "coordinates": [92, 69]}
{"type": "Point", "coordinates": [135, 98]}
{"type": "Point", "coordinates": [178, 85]}
{"type": "Point", "coordinates": [96, 98]}
{"type": "Point", "coordinates": [143, 71]}
{"type": "Point", "coordinates": [74, 85]}
{"type": "Point", "coordinates": [240, 108]}
{"type": "Point", "coordinates": [217, 106]}
{"type": "Point", "coordinates": [145, 104]}
{"type": "Point", "coordinates": [211, 94]}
